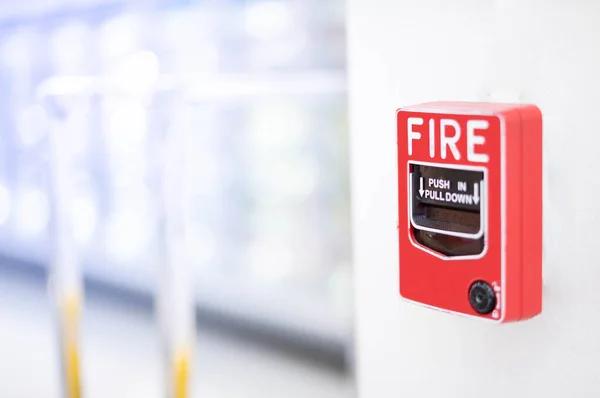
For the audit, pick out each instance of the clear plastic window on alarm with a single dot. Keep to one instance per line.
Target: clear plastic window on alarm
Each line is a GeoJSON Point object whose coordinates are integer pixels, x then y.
{"type": "Point", "coordinates": [447, 208]}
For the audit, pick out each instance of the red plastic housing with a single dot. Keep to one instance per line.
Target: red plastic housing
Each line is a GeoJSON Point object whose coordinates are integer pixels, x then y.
{"type": "Point", "coordinates": [509, 153]}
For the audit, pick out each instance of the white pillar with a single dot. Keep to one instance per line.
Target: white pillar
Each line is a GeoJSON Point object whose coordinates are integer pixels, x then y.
{"type": "Point", "coordinates": [403, 52]}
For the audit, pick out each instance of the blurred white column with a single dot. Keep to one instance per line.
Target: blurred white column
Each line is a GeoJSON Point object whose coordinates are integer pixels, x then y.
{"type": "Point", "coordinates": [66, 281]}
{"type": "Point", "coordinates": [176, 301]}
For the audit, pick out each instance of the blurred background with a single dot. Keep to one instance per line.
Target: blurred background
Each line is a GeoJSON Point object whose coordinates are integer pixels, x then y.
{"type": "Point", "coordinates": [260, 86]}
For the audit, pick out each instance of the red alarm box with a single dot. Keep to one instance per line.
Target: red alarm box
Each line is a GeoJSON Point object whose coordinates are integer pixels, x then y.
{"type": "Point", "coordinates": [470, 208]}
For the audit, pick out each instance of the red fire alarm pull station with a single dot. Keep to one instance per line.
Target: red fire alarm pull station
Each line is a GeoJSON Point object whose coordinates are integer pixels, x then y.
{"type": "Point", "coordinates": [470, 208]}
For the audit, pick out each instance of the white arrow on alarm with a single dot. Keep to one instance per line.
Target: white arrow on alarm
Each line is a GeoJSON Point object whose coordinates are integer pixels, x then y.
{"type": "Point", "coordinates": [421, 191]}
{"type": "Point", "coordinates": [476, 193]}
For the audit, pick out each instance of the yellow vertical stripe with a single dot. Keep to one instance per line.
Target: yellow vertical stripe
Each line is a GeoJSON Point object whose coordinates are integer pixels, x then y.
{"type": "Point", "coordinates": [73, 383]}
{"type": "Point", "coordinates": [70, 328]}
{"type": "Point", "coordinates": [181, 374]}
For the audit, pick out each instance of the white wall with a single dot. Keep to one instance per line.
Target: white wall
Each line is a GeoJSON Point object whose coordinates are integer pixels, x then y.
{"type": "Point", "coordinates": [542, 51]}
